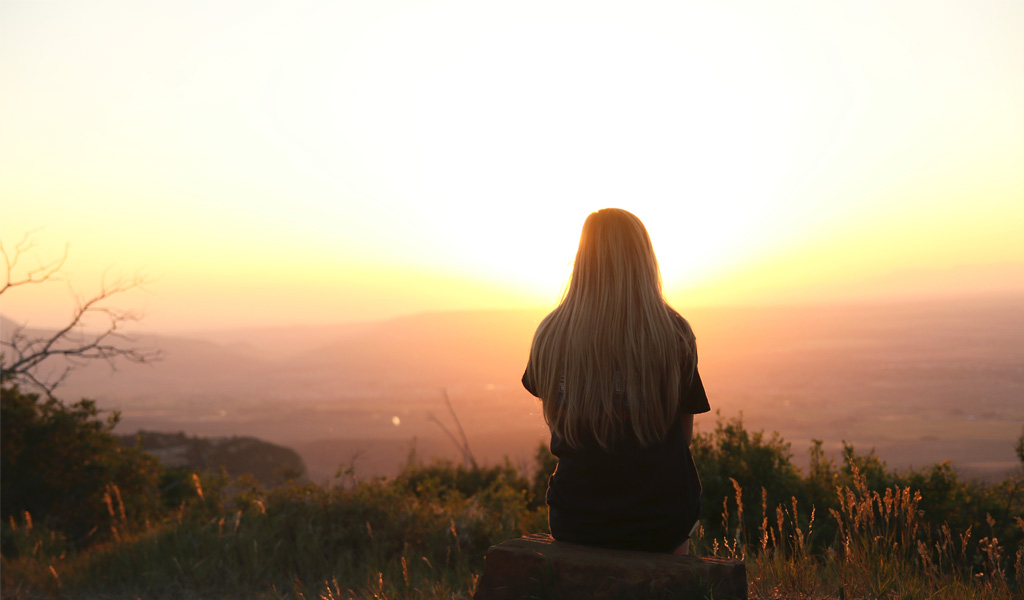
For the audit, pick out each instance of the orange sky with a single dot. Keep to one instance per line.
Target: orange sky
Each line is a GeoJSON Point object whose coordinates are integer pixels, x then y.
{"type": "Point", "coordinates": [273, 162]}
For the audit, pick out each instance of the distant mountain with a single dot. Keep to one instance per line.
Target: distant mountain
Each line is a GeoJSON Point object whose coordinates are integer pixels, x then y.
{"type": "Point", "coordinates": [270, 464]}
{"type": "Point", "coordinates": [424, 350]}
{"type": "Point", "coordinates": [6, 325]}
{"type": "Point", "coordinates": [431, 349]}
{"type": "Point", "coordinates": [281, 342]}
{"type": "Point", "coordinates": [920, 381]}
{"type": "Point", "coordinates": [186, 368]}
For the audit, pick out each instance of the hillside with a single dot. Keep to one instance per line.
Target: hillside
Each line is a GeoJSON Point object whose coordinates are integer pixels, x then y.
{"type": "Point", "coordinates": [919, 382]}
{"type": "Point", "coordinates": [268, 463]}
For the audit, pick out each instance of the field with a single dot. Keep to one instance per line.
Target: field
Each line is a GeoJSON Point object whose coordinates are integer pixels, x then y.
{"type": "Point", "coordinates": [920, 383]}
{"type": "Point", "coordinates": [849, 531]}
{"type": "Point", "coordinates": [927, 395]}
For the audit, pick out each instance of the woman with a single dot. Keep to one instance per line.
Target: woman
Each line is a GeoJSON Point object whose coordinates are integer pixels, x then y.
{"type": "Point", "coordinates": [616, 370]}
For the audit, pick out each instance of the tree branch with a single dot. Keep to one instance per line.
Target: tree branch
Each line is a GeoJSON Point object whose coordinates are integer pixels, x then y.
{"type": "Point", "coordinates": [467, 454]}
{"type": "Point", "coordinates": [38, 275]}
{"type": "Point", "coordinates": [71, 342]}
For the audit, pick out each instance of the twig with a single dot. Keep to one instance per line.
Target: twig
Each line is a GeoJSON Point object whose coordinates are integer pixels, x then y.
{"type": "Point", "coordinates": [467, 454]}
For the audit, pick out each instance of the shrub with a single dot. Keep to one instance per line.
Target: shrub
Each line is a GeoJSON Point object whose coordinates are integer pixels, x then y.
{"type": "Point", "coordinates": [731, 459]}
{"type": "Point", "coordinates": [62, 466]}
{"type": "Point", "coordinates": [442, 477]}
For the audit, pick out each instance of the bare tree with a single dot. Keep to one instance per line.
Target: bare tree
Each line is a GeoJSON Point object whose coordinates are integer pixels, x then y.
{"type": "Point", "coordinates": [33, 358]}
{"type": "Point", "coordinates": [463, 445]}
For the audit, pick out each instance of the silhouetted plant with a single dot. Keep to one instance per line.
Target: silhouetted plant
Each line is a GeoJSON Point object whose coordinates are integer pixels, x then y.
{"type": "Point", "coordinates": [62, 466]}
{"type": "Point", "coordinates": [43, 360]}
{"type": "Point", "coordinates": [424, 533]}
{"type": "Point", "coordinates": [731, 456]}
{"type": "Point", "coordinates": [442, 477]}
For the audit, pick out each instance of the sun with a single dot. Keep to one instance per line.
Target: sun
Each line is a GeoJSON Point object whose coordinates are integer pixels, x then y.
{"type": "Point", "coordinates": [486, 149]}
{"type": "Point", "coordinates": [391, 157]}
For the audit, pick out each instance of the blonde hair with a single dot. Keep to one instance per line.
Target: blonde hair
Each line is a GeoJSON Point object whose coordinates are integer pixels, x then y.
{"type": "Point", "coordinates": [612, 338]}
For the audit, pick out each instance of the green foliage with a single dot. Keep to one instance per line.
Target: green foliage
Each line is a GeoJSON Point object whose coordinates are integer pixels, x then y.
{"type": "Point", "coordinates": [1020, 447]}
{"type": "Point", "coordinates": [822, 477]}
{"type": "Point", "coordinates": [441, 477]}
{"type": "Point", "coordinates": [872, 469]}
{"type": "Point", "coordinates": [416, 536]}
{"type": "Point", "coordinates": [731, 459]}
{"type": "Point", "coordinates": [874, 532]}
{"type": "Point", "coordinates": [734, 463]}
{"type": "Point", "coordinates": [63, 467]}
{"type": "Point", "coordinates": [858, 529]}
{"type": "Point", "coordinates": [545, 463]}
{"type": "Point", "coordinates": [268, 463]}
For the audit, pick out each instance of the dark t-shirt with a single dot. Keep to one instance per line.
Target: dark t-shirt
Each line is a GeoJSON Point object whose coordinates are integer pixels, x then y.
{"type": "Point", "coordinates": [631, 496]}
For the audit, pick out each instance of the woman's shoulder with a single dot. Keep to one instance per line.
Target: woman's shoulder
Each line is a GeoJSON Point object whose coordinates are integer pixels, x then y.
{"type": "Point", "coordinates": [682, 325]}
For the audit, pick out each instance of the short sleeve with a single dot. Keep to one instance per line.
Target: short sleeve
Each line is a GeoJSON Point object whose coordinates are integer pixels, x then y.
{"type": "Point", "coordinates": [694, 400]}
{"type": "Point", "coordinates": [528, 384]}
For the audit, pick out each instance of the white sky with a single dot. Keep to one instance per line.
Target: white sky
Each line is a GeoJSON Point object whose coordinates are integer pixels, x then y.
{"type": "Point", "coordinates": [344, 160]}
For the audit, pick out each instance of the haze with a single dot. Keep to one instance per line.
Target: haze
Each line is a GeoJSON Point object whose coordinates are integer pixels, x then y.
{"type": "Point", "coordinates": [920, 383]}
{"type": "Point", "coordinates": [342, 207]}
{"type": "Point", "coordinates": [272, 162]}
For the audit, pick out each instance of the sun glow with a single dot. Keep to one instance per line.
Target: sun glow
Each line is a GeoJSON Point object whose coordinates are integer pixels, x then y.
{"type": "Point", "coordinates": [502, 136]}
{"type": "Point", "coordinates": [398, 156]}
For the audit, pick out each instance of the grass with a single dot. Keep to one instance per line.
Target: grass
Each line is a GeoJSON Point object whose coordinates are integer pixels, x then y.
{"type": "Point", "coordinates": [424, 535]}
{"type": "Point", "coordinates": [882, 549]}
{"type": "Point", "coordinates": [371, 540]}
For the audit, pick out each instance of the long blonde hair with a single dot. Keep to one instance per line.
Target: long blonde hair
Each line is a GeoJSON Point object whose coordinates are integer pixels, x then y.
{"type": "Point", "coordinates": [612, 338]}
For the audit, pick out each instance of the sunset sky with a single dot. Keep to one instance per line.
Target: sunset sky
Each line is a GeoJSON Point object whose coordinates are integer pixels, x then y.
{"type": "Point", "coordinates": [300, 161]}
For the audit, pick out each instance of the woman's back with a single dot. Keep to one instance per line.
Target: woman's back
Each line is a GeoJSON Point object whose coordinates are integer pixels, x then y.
{"type": "Point", "coordinates": [616, 370]}
{"type": "Point", "coordinates": [629, 496]}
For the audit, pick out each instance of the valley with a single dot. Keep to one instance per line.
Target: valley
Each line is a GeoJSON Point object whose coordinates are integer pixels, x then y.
{"type": "Point", "coordinates": [920, 383]}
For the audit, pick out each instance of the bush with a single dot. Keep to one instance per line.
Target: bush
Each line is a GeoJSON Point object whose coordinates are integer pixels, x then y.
{"type": "Point", "coordinates": [62, 466]}
{"type": "Point", "coordinates": [731, 460]}
{"type": "Point", "coordinates": [545, 463]}
{"type": "Point", "coordinates": [925, 533]}
{"type": "Point", "coordinates": [442, 478]}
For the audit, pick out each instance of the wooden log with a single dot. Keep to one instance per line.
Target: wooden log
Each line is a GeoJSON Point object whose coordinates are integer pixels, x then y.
{"type": "Point", "coordinates": [537, 566]}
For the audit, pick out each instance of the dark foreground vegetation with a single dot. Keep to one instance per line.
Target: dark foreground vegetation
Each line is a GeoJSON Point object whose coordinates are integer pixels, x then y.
{"type": "Point", "coordinates": [85, 517]}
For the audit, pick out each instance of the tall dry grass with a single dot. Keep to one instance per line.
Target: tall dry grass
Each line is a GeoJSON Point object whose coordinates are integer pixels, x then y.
{"type": "Point", "coordinates": [375, 539]}
{"type": "Point", "coordinates": [424, 534]}
{"type": "Point", "coordinates": [882, 548]}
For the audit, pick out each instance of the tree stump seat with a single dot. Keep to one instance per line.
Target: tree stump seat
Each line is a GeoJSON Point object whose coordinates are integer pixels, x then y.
{"type": "Point", "coordinates": [537, 566]}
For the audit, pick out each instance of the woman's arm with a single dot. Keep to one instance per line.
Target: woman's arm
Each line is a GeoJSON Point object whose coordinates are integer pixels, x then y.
{"type": "Point", "coordinates": [688, 428]}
